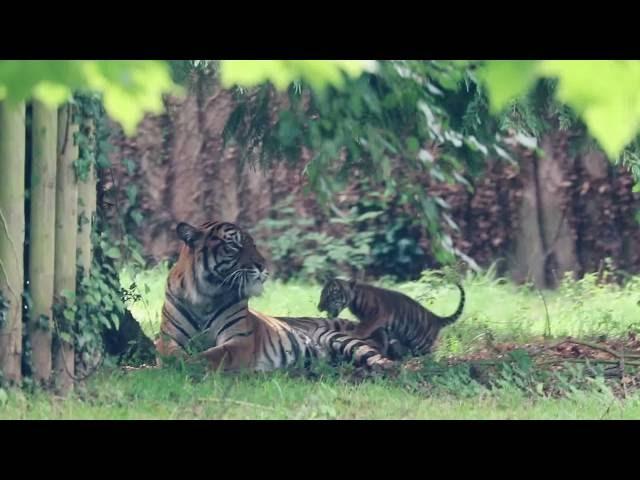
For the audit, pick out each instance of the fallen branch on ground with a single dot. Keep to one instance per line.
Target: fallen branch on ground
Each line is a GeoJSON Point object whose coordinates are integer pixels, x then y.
{"type": "Point", "coordinates": [600, 347]}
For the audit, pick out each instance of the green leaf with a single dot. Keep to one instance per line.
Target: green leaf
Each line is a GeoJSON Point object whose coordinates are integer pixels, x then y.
{"type": "Point", "coordinates": [413, 145]}
{"type": "Point", "coordinates": [51, 94]}
{"type": "Point", "coordinates": [130, 165]}
{"type": "Point", "coordinates": [113, 252]}
{"type": "Point", "coordinates": [66, 337]}
{"type": "Point", "coordinates": [137, 216]}
{"type": "Point", "coordinates": [69, 295]}
{"type": "Point", "coordinates": [605, 94]}
{"type": "Point", "coordinates": [137, 257]}
{"type": "Point", "coordinates": [369, 215]}
{"type": "Point", "coordinates": [614, 125]}
{"type": "Point", "coordinates": [288, 130]}
{"type": "Point", "coordinates": [69, 315]}
{"type": "Point", "coordinates": [507, 80]}
{"type": "Point", "coordinates": [318, 73]}
{"type": "Point", "coordinates": [132, 193]}
{"type": "Point", "coordinates": [115, 321]}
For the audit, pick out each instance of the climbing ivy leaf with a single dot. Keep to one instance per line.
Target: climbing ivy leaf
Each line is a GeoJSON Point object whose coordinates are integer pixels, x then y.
{"type": "Point", "coordinates": [113, 252]}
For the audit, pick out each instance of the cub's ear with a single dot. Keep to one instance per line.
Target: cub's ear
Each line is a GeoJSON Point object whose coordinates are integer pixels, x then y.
{"type": "Point", "coordinates": [326, 277]}
{"type": "Point", "coordinates": [188, 234]}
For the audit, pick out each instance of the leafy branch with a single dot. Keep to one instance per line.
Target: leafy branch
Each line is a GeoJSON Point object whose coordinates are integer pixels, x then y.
{"type": "Point", "coordinates": [130, 88]}
{"type": "Point", "coordinates": [395, 126]}
{"type": "Point", "coordinates": [603, 94]}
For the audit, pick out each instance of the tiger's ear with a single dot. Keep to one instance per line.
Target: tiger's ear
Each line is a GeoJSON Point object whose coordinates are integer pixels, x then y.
{"type": "Point", "coordinates": [188, 234]}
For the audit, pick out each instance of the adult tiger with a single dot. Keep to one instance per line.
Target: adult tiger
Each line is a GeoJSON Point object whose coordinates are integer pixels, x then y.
{"type": "Point", "coordinates": [390, 321]}
{"type": "Point", "coordinates": [206, 306]}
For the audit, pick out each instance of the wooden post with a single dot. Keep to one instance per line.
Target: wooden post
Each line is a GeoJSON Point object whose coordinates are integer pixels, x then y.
{"type": "Point", "coordinates": [66, 240]}
{"type": "Point", "coordinates": [12, 225]}
{"type": "Point", "coordinates": [42, 238]}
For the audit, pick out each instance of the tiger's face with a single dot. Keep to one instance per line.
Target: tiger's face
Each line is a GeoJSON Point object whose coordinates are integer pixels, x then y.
{"type": "Point", "coordinates": [225, 258]}
{"type": "Point", "coordinates": [334, 298]}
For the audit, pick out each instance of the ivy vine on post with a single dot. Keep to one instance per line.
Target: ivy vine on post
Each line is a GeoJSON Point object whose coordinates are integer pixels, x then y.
{"type": "Point", "coordinates": [66, 213]}
{"type": "Point", "coordinates": [105, 326]}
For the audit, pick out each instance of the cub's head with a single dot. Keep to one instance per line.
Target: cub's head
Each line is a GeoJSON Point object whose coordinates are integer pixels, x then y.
{"type": "Point", "coordinates": [335, 297]}
{"type": "Point", "coordinates": [220, 256]}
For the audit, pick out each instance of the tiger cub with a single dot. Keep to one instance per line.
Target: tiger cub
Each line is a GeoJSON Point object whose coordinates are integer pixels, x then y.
{"type": "Point", "coordinates": [390, 320]}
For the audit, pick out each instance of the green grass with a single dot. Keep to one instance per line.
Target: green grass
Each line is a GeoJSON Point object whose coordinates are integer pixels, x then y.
{"type": "Point", "coordinates": [169, 394]}
{"type": "Point", "coordinates": [508, 312]}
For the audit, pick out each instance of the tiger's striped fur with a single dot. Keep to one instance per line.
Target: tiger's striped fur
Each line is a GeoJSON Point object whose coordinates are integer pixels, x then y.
{"type": "Point", "coordinates": [391, 321]}
{"type": "Point", "coordinates": [206, 309]}
{"type": "Point", "coordinates": [319, 329]}
{"type": "Point", "coordinates": [316, 327]}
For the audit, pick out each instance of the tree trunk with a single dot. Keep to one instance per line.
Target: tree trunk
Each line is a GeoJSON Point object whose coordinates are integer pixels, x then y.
{"type": "Point", "coordinates": [65, 245]}
{"type": "Point", "coordinates": [528, 261]}
{"type": "Point", "coordinates": [555, 204]}
{"type": "Point", "coordinates": [602, 235]}
{"type": "Point", "coordinates": [12, 175]}
{"type": "Point", "coordinates": [42, 238]}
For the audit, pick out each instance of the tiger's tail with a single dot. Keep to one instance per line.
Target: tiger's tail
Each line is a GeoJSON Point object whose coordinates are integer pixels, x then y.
{"type": "Point", "coordinates": [347, 347]}
{"type": "Point", "coordinates": [452, 318]}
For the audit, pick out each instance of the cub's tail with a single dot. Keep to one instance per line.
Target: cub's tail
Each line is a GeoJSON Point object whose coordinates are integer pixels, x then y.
{"type": "Point", "coordinates": [452, 318]}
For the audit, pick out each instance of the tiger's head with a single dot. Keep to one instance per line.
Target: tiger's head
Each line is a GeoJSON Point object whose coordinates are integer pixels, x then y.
{"type": "Point", "coordinates": [336, 295]}
{"type": "Point", "coordinates": [221, 258]}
